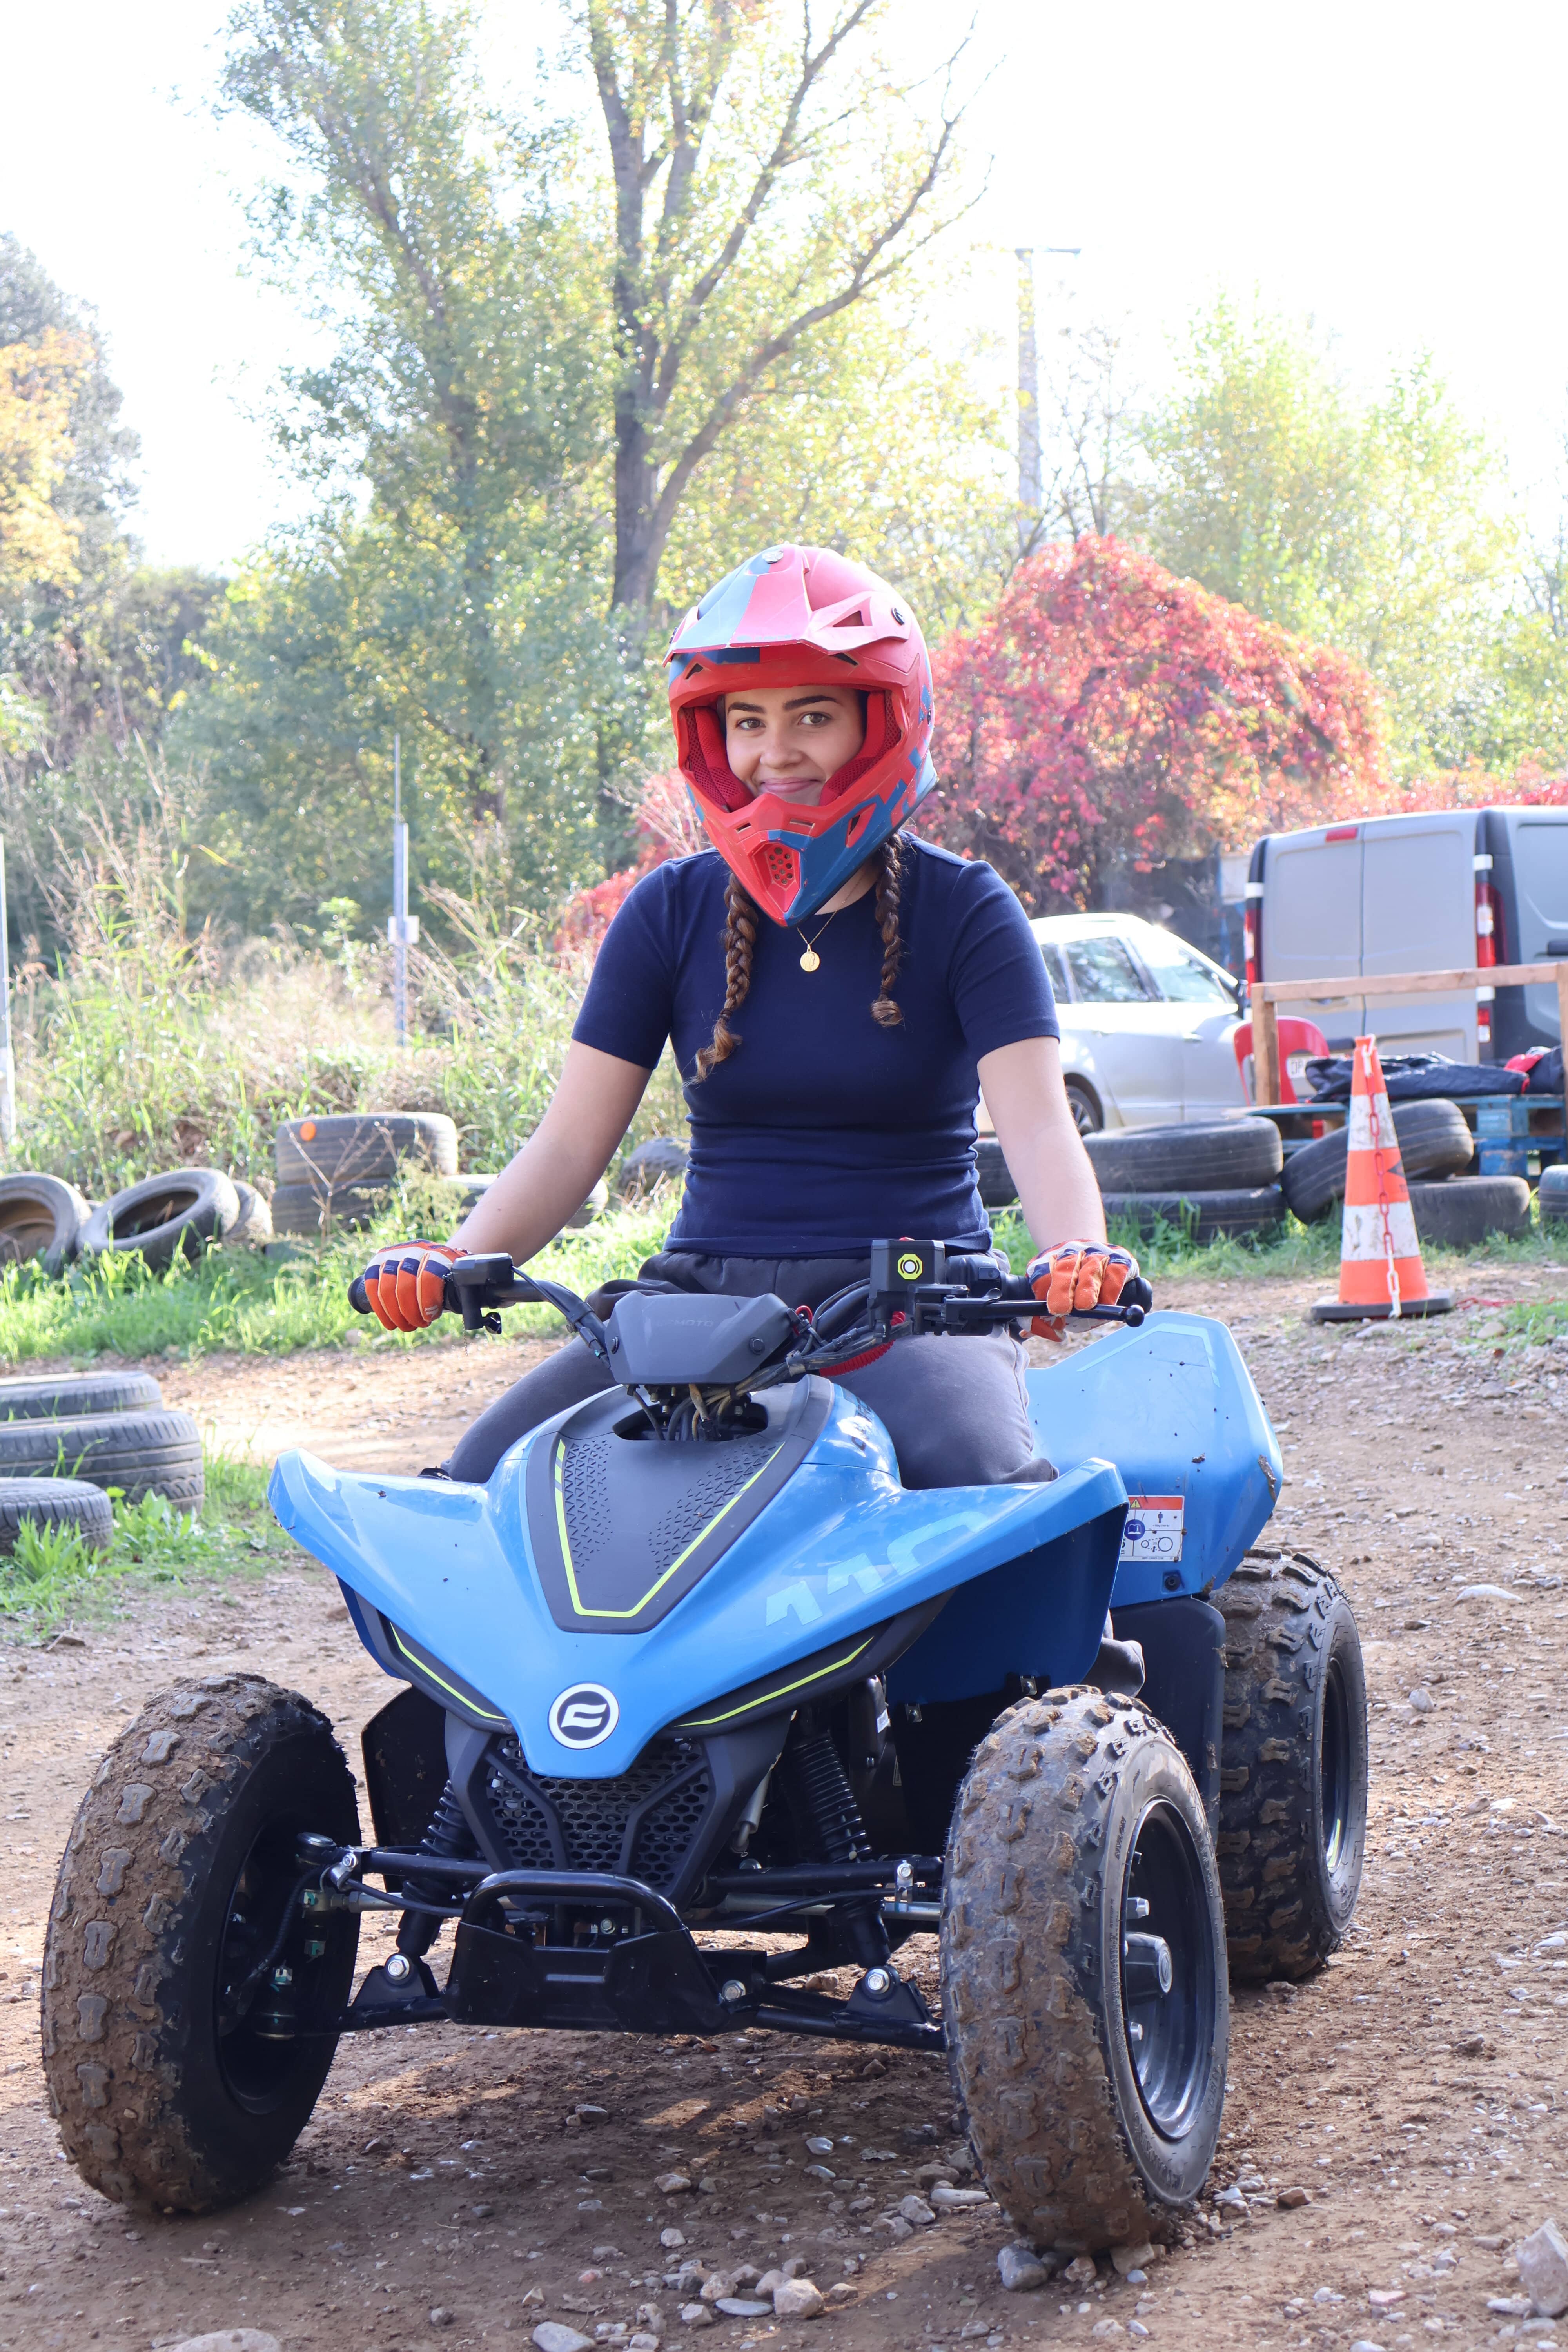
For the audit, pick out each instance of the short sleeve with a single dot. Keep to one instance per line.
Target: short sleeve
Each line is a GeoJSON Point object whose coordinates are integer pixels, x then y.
{"type": "Point", "coordinates": [1000, 986]}
{"type": "Point", "coordinates": [631, 991]}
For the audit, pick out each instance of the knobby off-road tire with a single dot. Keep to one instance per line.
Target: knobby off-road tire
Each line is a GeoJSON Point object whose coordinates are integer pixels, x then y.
{"type": "Point", "coordinates": [1076, 1809]}
{"type": "Point", "coordinates": [1293, 1766]}
{"type": "Point", "coordinates": [164, 2094]}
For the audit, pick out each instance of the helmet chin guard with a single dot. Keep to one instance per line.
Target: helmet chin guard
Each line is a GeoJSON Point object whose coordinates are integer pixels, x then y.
{"type": "Point", "coordinates": [802, 616]}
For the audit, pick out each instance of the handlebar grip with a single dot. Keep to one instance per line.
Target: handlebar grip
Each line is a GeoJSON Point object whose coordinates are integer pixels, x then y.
{"type": "Point", "coordinates": [359, 1299]}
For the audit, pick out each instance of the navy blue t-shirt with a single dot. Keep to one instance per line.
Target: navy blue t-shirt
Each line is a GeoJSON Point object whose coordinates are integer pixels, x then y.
{"type": "Point", "coordinates": [823, 1131]}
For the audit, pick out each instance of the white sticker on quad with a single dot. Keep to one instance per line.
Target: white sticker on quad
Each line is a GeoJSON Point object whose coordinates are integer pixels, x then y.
{"type": "Point", "coordinates": [585, 1715]}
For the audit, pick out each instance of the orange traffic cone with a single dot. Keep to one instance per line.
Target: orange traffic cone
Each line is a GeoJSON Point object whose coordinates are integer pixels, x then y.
{"type": "Point", "coordinates": [1382, 1278]}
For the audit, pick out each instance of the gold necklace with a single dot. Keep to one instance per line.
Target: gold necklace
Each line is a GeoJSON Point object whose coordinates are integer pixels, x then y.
{"type": "Point", "coordinates": [811, 961]}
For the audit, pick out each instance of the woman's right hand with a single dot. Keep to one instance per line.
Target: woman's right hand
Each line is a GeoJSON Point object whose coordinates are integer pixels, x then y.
{"type": "Point", "coordinates": [406, 1285]}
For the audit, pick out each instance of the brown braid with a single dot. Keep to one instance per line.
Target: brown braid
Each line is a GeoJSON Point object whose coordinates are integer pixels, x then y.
{"type": "Point", "coordinates": [740, 939]}
{"type": "Point", "coordinates": [889, 888]}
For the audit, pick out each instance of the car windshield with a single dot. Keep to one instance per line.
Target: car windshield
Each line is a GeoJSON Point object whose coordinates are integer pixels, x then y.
{"type": "Point", "coordinates": [1179, 975]}
{"type": "Point", "coordinates": [1103, 972]}
{"type": "Point", "coordinates": [1056, 970]}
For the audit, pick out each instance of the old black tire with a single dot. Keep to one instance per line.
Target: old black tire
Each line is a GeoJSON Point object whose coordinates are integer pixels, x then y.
{"type": "Point", "coordinates": [183, 1210]}
{"type": "Point", "coordinates": [40, 1217]}
{"type": "Point", "coordinates": [1293, 1766]}
{"type": "Point", "coordinates": [1468, 1209]}
{"type": "Point", "coordinates": [1260, 1210]}
{"type": "Point", "coordinates": [72, 1393]}
{"type": "Point", "coordinates": [253, 1226]}
{"type": "Point", "coordinates": [363, 1147]}
{"type": "Point", "coordinates": [54, 1503]}
{"type": "Point", "coordinates": [299, 1210]}
{"type": "Point", "coordinates": [1075, 1806]}
{"type": "Point", "coordinates": [178, 1875]}
{"type": "Point", "coordinates": [1434, 1140]}
{"type": "Point", "coordinates": [658, 1161]}
{"type": "Point", "coordinates": [141, 1454]}
{"type": "Point", "coordinates": [1232, 1155]}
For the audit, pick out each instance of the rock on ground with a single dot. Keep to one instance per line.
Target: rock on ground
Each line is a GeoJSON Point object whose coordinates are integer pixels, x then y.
{"type": "Point", "coordinates": [1543, 2270]}
{"type": "Point", "coordinates": [797, 2298]}
{"type": "Point", "coordinates": [1021, 2270]}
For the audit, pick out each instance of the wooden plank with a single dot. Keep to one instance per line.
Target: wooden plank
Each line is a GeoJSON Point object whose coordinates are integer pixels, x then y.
{"type": "Point", "coordinates": [1412, 984]}
{"type": "Point", "coordinates": [1266, 1051]}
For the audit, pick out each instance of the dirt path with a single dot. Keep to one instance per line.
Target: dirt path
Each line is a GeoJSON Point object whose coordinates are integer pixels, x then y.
{"type": "Point", "coordinates": [1417, 2089]}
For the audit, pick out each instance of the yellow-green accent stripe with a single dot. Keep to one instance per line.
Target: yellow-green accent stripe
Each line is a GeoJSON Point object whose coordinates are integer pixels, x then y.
{"type": "Point", "coordinates": [462, 1697]}
{"type": "Point", "coordinates": [579, 1607]}
{"type": "Point", "coordinates": [707, 1722]}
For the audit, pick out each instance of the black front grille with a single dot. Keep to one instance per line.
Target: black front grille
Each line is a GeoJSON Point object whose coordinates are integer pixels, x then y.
{"type": "Point", "coordinates": [640, 1825]}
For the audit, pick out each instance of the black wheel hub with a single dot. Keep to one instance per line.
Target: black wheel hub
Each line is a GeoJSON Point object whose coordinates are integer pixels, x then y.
{"type": "Point", "coordinates": [1169, 1971]}
{"type": "Point", "coordinates": [1337, 1778]}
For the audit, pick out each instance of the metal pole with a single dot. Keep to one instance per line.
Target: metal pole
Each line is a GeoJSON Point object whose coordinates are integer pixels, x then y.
{"type": "Point", "coordinates": [1028, 397]}
{"type": "Point", "coordinates": [399, 924]}
{"type": "Point", "coordinates": [7, 1060]}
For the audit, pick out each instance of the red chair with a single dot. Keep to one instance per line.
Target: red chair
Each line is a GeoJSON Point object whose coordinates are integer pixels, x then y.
{"type": "Point", "coordinates": [1299, 1042]}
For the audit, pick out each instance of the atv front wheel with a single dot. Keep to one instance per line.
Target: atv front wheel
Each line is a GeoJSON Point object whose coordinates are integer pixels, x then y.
{"type": "Point", "coordinates": [187, 1998]}
{"type": "Point", "coordinates": [1084, 1988]}
{"type": "Point", "coordinates": [1293, 1766]}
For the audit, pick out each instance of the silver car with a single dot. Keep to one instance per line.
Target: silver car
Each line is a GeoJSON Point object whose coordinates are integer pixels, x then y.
{"type": "Point", "coordinates": [1147, 1023]}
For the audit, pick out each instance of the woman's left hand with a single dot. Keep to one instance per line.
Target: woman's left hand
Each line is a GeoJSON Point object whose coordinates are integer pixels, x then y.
{"type": "Point", "coordinates": [1074, 1276]}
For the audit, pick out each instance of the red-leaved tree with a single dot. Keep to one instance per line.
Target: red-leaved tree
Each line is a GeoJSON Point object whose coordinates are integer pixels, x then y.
{"type": "Point", "coordinates": [668, 827]}
{"type": "Point", "coordinates": [1108, 712]}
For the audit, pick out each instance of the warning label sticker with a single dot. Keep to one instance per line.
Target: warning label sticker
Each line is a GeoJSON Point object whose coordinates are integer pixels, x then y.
{"type": "Point", "coordinates": [1154, 1528]}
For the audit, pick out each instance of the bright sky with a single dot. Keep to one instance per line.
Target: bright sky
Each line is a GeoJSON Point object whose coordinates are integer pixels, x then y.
{"type": "Point", "coordinates": [1391, 169]}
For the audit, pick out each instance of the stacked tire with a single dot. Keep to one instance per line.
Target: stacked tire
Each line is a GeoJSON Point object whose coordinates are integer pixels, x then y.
{"type": "Point", "coordinates": [1435, 1148]}
{"type": "Point", "coordinates": [1210, 1181]}
{"type": "Point", "coordinates": [66, 1444]}
{"type": "Point", "coordinates": [338, 1168]}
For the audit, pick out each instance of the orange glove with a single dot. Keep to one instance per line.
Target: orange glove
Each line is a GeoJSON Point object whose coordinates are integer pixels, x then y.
{"type": "Point", "coordinates": [1077, 1275]}
{"type": "Point", "coordinates": [406, 1285]}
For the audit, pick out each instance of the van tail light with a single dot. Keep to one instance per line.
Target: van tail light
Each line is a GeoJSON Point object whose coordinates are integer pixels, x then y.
{"type": "Point", "coordinates": [1252, 933]}
{"type": "Point", "coordinates": [1489, 944]}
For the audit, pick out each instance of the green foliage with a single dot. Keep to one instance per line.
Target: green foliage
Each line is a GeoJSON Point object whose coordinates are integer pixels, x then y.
{"type": "Point", "coordinates": [241, 1301]}
{"type": "Point", "coordinates": [1372, 525]}
{"type": "Point", "coordinates": [152, 1049]}
{"type": "Point", "coordinates": [52, 1573]}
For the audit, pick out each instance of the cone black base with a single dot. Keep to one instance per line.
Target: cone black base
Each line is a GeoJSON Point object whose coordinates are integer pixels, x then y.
{"type": "Point", "coordinates": [1334, 1310]}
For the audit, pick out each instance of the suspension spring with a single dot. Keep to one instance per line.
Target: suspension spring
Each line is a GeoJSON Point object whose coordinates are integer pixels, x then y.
{"type": "Point", "coordinates": [822, 1799]}
{"type": "Point", "coordinates": [449, 1838]}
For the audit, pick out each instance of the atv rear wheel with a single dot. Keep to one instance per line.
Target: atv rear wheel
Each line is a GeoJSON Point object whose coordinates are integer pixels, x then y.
{"type": "Point", "coordinates": [187, 1999]}
{"type": "Point", "coordinates": [1293, 1766]}
{"type": "Point", "coordinates": [1085, 1998]}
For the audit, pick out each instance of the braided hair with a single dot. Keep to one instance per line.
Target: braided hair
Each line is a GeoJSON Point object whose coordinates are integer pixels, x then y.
{"type": "Point", "coordinates": [741, 940]}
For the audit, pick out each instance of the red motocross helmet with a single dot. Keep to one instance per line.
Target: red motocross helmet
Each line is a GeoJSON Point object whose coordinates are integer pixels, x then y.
{"type": "Point", "coordinates": [802, 616]}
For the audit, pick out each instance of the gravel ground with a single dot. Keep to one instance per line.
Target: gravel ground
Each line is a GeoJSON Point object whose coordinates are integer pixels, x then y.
{"type": "Point", "coordinates": [456, 2189]}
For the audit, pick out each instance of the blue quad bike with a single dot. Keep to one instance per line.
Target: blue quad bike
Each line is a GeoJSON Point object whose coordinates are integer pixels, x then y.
{"type": "Point", "coordinates": [699, 1702]}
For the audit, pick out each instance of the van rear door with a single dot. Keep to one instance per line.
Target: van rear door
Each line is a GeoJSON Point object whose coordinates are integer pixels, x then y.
{"type": "Point", "coordinates": [1529, 872]}
{"type": "Point", "coordinates": [1418, 914]}
{"type": "Point", "coordinates": [1312, 917]}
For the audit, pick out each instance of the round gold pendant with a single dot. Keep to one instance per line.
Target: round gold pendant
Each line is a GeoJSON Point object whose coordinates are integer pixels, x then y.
{"type": "Point", "coordinates": [811, 961]}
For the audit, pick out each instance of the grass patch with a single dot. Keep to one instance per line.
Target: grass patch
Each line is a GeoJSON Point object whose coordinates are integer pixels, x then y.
{"type": "Point", "coordinates": [255, 1306]}
{"type": "Point", "coordinates": [53, 1575]}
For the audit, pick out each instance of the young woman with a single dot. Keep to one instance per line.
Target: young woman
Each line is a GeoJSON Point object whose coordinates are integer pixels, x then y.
{"type": "Point", "coordinates": [837, 992]}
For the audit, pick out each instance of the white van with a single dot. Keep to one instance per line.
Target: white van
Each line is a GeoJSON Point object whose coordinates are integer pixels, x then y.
{"type": "Point", "coordinates": [1457, 889]}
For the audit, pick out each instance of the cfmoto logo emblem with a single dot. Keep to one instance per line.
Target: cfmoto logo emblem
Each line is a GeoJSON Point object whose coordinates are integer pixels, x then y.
{"type": "Point", "coordinates": [585, 1715]}
{"type": "Point", "coordinates": [911, 1267]}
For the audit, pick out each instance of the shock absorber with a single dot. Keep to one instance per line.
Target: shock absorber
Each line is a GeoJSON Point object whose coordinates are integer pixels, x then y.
{"type": "Point", "coordinates": [449, 1838]}
{"type": "Point", "coordinates": [823, 1801]}
{"type": "Point", "coordinates": [829, 1828]}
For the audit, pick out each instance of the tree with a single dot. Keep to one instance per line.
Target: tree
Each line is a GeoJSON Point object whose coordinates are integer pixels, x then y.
{"type": "Point", "coordinates": [37, 543]}
{"type": "Point", "coordinates": [769, 174]}
{"type": "Point", "coordinates": [1108, 711]}
{"type": "Point", "coordinates": [1373, 525]}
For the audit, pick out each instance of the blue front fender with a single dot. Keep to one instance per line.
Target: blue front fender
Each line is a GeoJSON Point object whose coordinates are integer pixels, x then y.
{"type": "Point", "coordinates": [843, 1547]}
